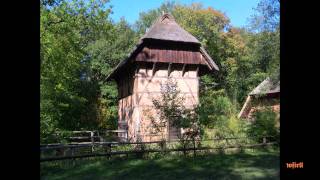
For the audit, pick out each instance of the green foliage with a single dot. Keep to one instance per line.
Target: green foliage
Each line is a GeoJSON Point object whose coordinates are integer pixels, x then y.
{"type": "Point", "coordinates": [214, 108]}
{"type": "Point", "coordinates": [172, 112]}
{"type": "Point", "coordinates": [67, 97]}
{"type": "Point", "coordinates": [266, 17]}
{"type": "Point", "coordinates": [80, 45]}
{"type": "Point", "coordinates": [218, 116]}
{"type": "Point", "coordinates": [265, 124]}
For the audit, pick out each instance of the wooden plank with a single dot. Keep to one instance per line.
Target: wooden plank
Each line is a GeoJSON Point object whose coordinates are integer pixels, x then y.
{"type": "Point", "coordinates": [170, 55]}
{"type": "Point", "coordinates": [82, 131]}
{"type": "Point", "coordinates": [185, 57]}
{"type": "Point", "coordinates": [160, 55]}
{"type": "Point", "coordinates": [188, 57]}
{"type": "Point", "coordinates": [79, 138]}
{"type": "Point", "coordinates": [117, 131]}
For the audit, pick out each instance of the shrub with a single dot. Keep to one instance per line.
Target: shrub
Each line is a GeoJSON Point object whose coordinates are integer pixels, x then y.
{"type": "Point", "coordinates": [264, 124]}
{"type": "Point", "coordinates": [218, 115]}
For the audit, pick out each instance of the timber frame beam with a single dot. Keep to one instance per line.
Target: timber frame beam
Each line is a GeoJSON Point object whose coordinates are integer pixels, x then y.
{"type": "Point", "coordinates": [197, 70]}
{"type": "Point", "coordinates": [136, 70]}
{"type": "Point", "coordinates": [169, 69]}
{"type": "Point", "coordinates": [183, 69]}
{"type": "Point", "coordinates": [154, 68]}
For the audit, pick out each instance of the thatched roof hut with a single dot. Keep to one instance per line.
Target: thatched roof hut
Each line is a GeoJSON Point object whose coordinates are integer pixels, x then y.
{"type": "Point", "coordinates": [267, 93]}
{"type": "Point", "coordinates": [266, 87]}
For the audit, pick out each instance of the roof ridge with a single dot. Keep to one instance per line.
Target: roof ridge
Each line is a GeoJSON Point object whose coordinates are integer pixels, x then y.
{"type": "Point", "coordinates": [171, 31]}
{"type": "Point", "coordinates": [167, 15]}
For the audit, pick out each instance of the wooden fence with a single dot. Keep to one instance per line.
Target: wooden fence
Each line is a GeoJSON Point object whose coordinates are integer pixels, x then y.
{"type": "Point", "coordinates": [97, 136]}
{"type": "Point", "coordinates": [54, 152]}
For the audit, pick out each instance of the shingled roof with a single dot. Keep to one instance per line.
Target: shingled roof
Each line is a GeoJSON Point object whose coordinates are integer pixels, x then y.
{"type": "Point", "coordinates": [165, 28]}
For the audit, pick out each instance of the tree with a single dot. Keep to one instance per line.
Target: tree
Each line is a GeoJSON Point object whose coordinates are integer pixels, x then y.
{"type": "Point", "coordinates": [218, 115]}
{"type": "Point", "coordinates": [265, 42]}
{"type": "Point", "coordinates": [265, 124]}
{"type": "Point", "coordinates": [266, 17]}
{"type": "Point", "coordinates": [68, 96]}
{"type": "Point", "coordinates": [105, 53]}
{"type": "Point", "coordinates": [79, 47]}
{"type": "Point", "coordinates": [173, 113]}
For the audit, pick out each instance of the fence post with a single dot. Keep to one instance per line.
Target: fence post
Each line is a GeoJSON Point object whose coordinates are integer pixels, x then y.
{"type": "Point", "coordinates": [110, 149]}
{"type": "Point", "coordinates": [100, 138]}
{"type": "Point", "coordinates": [194, 148]}
{"type": "Point", "coordinates": [92, 141]}
{"type": "Point", "coordinates": [126, 135]}
{"type": "Point", "coordinates": [72, 151]}
{"type": "Point", "coordinates": [162, 145]}
{"type": "Point", "coordinates": [72, 154]}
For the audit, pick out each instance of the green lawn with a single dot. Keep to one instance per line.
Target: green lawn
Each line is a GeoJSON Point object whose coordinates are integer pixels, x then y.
{"type": "Point", "coordinates": [257, 164]}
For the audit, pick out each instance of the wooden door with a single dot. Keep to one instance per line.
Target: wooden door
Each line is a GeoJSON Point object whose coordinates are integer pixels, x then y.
{"type": "Point", "coordinates": [173, 133]}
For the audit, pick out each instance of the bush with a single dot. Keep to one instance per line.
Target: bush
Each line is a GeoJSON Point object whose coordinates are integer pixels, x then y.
{"type": "Point", "coordinates": [218, 115]}
{"type": "Point", "coordinates": [265, 124]}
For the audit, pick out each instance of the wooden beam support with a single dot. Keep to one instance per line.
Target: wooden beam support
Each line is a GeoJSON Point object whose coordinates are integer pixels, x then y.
{"type": "Point", "coordinates": [136, 71]}
{"type": "Point", "coordinates": [146, 66]}
{"type": "Point", "coordinates": [169, 69]}
{"type": "Point", "coordinates": [197, 71]}
{"type": "Point", "coordinates": [154, 68]}
{"type": "Point", "coordinates": [183, 69]}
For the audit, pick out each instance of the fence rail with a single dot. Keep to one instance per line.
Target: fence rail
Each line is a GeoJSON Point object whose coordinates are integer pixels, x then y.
{"type": "Point", "coordinates": [148, 142]}
{"type": "Point", "coordinates": [153, 151]}
{"type": "Point", "coordinates": [109, 149]}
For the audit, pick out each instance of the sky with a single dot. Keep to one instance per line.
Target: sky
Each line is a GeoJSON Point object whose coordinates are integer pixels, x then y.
{"type": "Point", "coordinates": [237, 10]}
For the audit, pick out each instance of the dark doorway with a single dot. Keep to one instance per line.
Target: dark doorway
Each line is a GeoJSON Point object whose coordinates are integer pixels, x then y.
{"type": "Point", "coordinates": [174, 133]}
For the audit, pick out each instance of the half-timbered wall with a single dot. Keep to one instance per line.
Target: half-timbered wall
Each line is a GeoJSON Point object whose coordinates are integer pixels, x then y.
{"type": "Point", "coordinates": [135, 109]}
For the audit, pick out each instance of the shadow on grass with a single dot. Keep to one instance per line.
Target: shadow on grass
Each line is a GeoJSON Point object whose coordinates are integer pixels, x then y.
{"type": "Point", "coordinates": [249, 165]}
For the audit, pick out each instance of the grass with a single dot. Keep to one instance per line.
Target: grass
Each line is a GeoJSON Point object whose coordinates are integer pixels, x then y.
{"type": "Point", "coordinates": [250, 164]}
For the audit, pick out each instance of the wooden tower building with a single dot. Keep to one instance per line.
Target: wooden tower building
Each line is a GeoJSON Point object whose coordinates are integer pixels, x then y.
{"type": "Point", "coordinates": [166, 50]}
